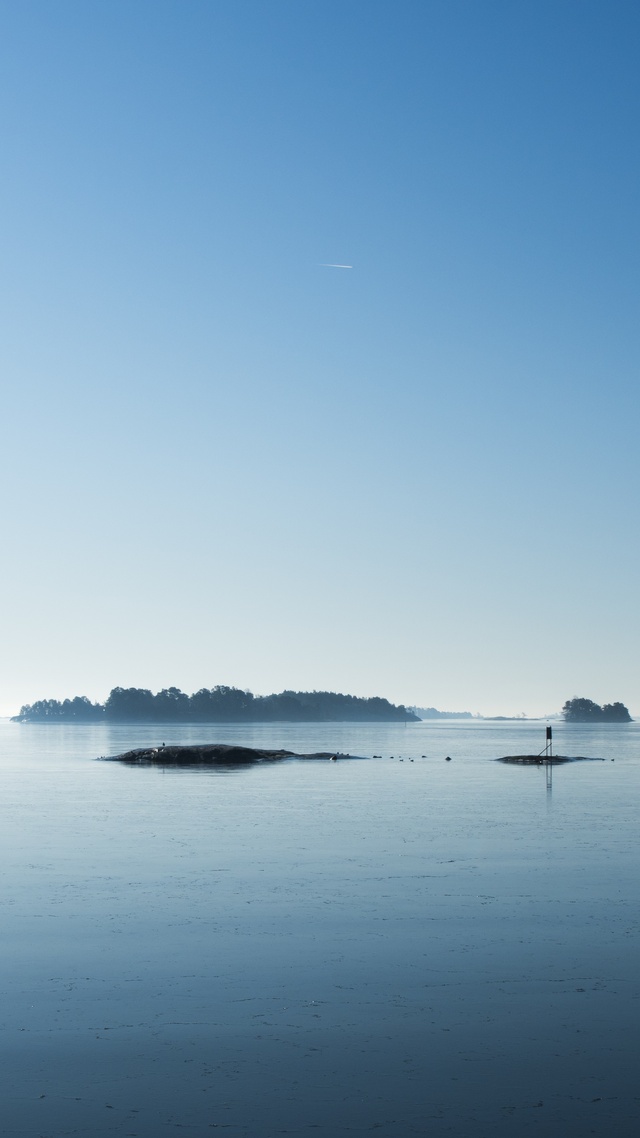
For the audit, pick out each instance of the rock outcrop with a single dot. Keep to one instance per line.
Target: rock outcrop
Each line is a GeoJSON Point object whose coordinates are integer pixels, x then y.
{"type": "Point", "coordinates": [210, 754]}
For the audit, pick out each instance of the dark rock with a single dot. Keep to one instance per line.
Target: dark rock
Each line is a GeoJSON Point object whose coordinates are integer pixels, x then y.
{"type": "Point", "coordinates": [540, 760]}
{"type": "Point", "coordinates": [209, 754]}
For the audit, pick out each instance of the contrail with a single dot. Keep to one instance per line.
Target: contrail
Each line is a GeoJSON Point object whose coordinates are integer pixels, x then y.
{"type": "Point", "coordinates": [324, 266]}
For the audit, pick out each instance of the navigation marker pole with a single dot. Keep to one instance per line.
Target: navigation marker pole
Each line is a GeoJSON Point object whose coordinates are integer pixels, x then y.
{"type": "Point", "coordinates": [548, 754]}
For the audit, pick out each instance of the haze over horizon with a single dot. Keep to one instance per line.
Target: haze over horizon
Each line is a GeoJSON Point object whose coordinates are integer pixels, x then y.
{"type": "Point", "coordinates": [225, 462]}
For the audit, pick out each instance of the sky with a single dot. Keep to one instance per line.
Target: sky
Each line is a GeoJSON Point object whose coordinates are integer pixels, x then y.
{"type": "Point", "coordinates": [224, 462]}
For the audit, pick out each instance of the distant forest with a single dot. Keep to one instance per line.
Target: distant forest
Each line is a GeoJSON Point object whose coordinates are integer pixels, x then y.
{"type": "Point", "coordinates": [586, 711]}
{"type": "Point", "coordinates": [433, 713]}
{"type": "Point", "coordinates": [214, 705]}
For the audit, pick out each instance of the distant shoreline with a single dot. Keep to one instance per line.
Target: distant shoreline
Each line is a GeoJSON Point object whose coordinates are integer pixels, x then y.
{"type": "Point", "coordinates": [220, 704]}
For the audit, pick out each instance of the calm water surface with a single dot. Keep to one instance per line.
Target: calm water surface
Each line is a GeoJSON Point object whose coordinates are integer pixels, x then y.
{"type": "Point", "coordinates": [320, 948]}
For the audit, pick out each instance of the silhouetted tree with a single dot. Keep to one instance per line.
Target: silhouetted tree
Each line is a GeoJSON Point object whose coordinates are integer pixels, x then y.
{"type": "Point", "coordinates": [130, 705]}
{"type": "Point", "coordinates": [221, 705]}
{"type": "Point", "coordinates": [171, 705]}
{"type": "Point", "coordinates": [615, 713]}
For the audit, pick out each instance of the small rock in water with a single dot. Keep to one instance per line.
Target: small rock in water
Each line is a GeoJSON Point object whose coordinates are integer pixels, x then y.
{"type": "Point", "coordinates": [448, 759]}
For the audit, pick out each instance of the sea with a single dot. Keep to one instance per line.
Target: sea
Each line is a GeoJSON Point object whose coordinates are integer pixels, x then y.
{"type": "Point", "coordinates": [391, 945]}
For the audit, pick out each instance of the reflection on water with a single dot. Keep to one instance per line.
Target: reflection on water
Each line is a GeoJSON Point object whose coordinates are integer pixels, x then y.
{"type": "Point", "coordinates": [403, 945]}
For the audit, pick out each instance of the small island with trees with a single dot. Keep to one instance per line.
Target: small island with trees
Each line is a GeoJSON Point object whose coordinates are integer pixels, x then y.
{"type": "Point", "coordinates": [586, 711]}
{"type": "Point", "coordinates": [216, 705]}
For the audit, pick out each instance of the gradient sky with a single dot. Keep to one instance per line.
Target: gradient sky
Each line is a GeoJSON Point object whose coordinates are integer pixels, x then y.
{"type": "Point", "coordinates": [225, 463]}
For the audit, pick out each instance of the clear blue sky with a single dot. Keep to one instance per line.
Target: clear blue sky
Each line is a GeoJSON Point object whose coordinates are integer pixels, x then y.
{"type": "Point", "coordinates": [224, 463]}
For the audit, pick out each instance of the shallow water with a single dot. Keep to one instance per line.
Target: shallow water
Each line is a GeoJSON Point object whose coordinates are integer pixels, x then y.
{"type": "Point", "coordinates": [311, 947]}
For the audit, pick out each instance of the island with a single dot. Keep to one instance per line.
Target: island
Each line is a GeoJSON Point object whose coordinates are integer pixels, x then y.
{"type": "Point", "coordinates": [586, 711]}
{"type": "Point", "coordinates": [211, 754]}
{"type": "Point", "coordinates": [216, 705]}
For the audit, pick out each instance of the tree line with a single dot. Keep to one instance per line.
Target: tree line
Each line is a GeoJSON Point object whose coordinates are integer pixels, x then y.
{"type": "Point", "coordinates": [213, 705]}
{"type": "Point", "coordinates": [586, 711]}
